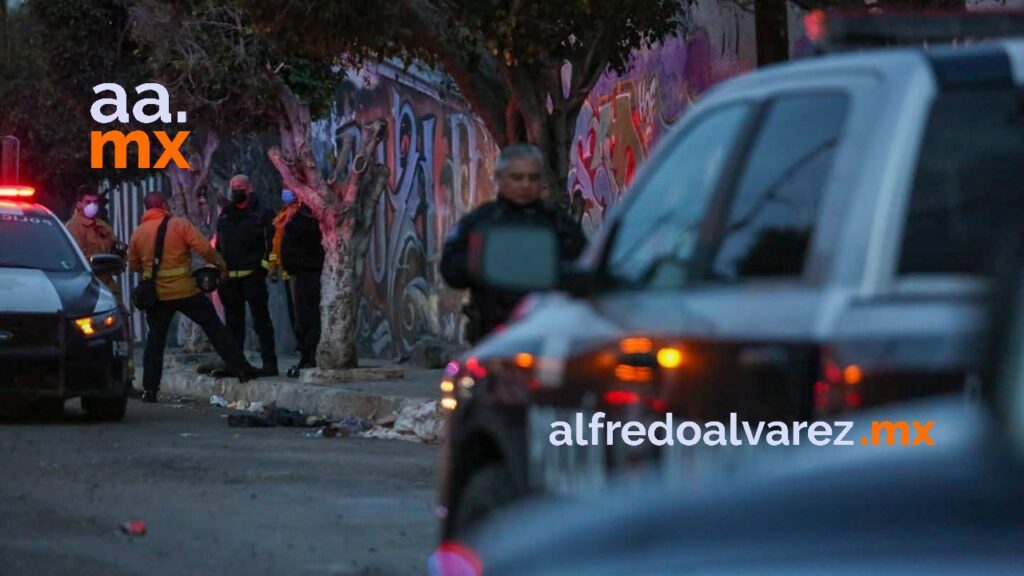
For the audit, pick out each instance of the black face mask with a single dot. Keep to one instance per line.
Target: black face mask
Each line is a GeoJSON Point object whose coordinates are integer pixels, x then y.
{"type": "Point", "coordinates": [238, 196]}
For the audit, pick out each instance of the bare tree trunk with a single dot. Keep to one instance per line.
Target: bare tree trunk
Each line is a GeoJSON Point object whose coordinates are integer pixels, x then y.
{"type": "Point", "coordinates": [187, 185]}
{"type": "Point", "coordinates": [343, 204]}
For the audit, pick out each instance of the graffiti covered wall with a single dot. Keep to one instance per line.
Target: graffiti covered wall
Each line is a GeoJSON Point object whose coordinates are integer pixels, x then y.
{"type": "Point", "coordinates": [441, 159]}
{"type": "Point", "coordinates": [626, 114]}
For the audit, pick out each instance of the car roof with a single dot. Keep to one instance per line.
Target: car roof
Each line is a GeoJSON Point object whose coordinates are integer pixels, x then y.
{"type": "Point", "coordinates": [884, 61]}
{"type": "Point", "coordinates": [30, 209]}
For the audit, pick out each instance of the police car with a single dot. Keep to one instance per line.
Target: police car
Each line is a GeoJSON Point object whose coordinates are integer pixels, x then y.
{"type": "Point", "coordinates": [62, 334]}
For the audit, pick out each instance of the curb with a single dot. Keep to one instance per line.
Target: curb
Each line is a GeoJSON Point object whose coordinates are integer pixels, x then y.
{"type": "Point", "coordinates": [330, 402]}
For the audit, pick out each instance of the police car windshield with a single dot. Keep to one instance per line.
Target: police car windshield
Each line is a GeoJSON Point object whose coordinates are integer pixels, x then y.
{"type": "Point", "coordinates": [35, 241]}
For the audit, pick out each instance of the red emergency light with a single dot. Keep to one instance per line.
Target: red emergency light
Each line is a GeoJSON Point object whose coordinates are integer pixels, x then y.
{"type": "Point", "coordinates": [17, 191]}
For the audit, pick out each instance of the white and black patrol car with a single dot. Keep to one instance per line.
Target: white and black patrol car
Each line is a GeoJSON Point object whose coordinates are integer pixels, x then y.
{"type": "Point", "coordinates": [62, 333]}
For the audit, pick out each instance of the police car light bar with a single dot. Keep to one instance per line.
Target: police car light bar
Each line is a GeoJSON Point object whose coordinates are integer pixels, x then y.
{"type": "Point", "coordinates": [17, 191]}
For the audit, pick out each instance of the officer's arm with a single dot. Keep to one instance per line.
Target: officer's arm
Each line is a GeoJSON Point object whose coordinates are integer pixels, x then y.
{"type": "Point", "coordinates": [134, 257]}
{"type": "Point", "coordinates": [200, 245]}
{"type": "Point", "coordinates": [455, 256]}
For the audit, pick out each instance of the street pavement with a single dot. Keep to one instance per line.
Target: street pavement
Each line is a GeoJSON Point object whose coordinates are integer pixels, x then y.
{"type": "Point", "coordinates": [214, 499]}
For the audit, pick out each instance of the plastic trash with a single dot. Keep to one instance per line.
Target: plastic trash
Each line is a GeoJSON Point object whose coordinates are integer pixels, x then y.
{"type": "Point", "coordinates": [134, 528]}
{"type": "Point", "coordinates": [216, 400]}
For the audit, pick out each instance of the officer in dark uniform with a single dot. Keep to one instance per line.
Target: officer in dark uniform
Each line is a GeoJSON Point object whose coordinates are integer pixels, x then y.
{"type": "Point", "coordinates": [302, 257]}
{"type": "Point", "coordinates": [520, 182]}
{"type": "Point", "coordinates": [245, 232]}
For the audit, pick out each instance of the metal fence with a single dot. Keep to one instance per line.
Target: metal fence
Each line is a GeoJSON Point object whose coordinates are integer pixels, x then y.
{"type": "Point", "coordinates": [126, 210]}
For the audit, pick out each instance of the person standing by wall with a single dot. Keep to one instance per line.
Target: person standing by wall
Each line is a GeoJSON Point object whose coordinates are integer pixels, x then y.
{"type": "Point", "coordinates": [520, 180]}
{"type": "Point", "coordinates": [177, 291]}
{"type": "Point", "coordinates": [302, 258]}
{"type": "Point", "coordinates": [245, 232]}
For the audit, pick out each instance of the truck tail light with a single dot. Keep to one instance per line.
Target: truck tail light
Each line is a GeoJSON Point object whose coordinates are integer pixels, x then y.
{"type": "Point", "coordinates": [838, 386]}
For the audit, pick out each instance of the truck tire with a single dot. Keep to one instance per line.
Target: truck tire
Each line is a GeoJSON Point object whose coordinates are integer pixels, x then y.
{"type": "Point", "coordinates": [106, 409]}
{"type": "Point", "coordinates": [488, 489]}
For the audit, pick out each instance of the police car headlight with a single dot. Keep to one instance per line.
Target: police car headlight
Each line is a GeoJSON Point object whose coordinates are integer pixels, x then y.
{"type": "Point", "coordinates": [90, 325]}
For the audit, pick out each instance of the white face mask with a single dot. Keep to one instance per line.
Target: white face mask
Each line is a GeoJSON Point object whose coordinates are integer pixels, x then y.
{"type": "Point", "coordinates": [90, 210]}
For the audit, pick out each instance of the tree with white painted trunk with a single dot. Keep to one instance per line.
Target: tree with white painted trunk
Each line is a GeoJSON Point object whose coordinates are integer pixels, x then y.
{"type": "Point", "coordinates": [343, 203]}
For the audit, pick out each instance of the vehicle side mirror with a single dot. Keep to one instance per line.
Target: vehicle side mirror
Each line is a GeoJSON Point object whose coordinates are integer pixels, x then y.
{"type": "Point", "coordinates": [106, 264]}
{"type": "Point", "coordinates": [519, 258]}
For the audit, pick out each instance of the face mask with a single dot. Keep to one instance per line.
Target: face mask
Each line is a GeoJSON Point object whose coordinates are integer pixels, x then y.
{"type": "Point", "coordinates": [238, 196]}
{"type": "Point", "coordinates": [287, 196]}
{"type": "Point", "coordinates": [90, 210]}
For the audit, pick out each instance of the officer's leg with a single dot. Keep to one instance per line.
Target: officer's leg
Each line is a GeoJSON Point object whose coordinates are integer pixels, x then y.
{"type": "Point", "coordinates": [159, 322]}
{"type": "Point", "coordinates": [200, 310]}
{"type": "Point", "coordinates": [308, 301]}
{"type": "Point", "coordinates": [232, 297]}
{"type": "Point", "coordinates": [307, 315]}
{"type": "Point", "coordinates": [290, 301]}
{"type": "Point", "coordinates": [258, 298]}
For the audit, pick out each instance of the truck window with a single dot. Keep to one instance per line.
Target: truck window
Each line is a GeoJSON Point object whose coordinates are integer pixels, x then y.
{"type": "Point", "coordinates": [660, 224]}
{"type": "Point", "coordinates": [969, 182]}
{"type": "Point", "coordinates": [771, 217]}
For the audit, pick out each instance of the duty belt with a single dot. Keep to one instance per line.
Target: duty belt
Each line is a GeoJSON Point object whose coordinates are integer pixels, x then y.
{"type": "Point", "coordinates": [244, 273]}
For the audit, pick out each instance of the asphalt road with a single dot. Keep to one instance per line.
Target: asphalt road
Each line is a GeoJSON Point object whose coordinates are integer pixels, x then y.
{"type": "Point", "coordinates": [215, 500]}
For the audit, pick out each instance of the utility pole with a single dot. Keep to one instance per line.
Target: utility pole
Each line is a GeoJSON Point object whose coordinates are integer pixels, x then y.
{"type": "Point", "coordinates": [10, 153]}
{"type": "Point", "coordinates": [3, 31]}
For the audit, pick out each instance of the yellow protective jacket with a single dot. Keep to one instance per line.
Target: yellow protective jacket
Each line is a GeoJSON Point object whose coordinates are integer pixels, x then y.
{"type": "Point", "coordinates": [93, 237]}
{"type": "Point", "coordinates": [174, 279]}
{"type": "Point", "coordinates": [282, 218]}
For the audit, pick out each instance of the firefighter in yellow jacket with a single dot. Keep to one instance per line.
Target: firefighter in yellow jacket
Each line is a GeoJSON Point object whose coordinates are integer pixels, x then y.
{"type": "Point", "coordinates": [177, 291]}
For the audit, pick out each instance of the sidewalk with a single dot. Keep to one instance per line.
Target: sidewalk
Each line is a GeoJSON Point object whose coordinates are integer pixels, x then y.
{"type": "Point", "coordinates": [332, 400]}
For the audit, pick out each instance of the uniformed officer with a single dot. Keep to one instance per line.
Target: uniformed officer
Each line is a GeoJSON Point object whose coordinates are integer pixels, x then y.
{"type": "Point", "coordinates": [302, 258]}
{"type": "Point", "coordinates": [520, 183]}
{"type": "Point", "coordinates": [245, 232]}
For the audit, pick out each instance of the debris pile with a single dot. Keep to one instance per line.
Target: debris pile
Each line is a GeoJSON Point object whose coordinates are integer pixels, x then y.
{"type": "Point", "coordinates": [421, 422]}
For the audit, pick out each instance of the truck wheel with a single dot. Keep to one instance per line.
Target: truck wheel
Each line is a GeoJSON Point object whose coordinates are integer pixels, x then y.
{"type": "Point", "coordinates": [106, 409]}
{"type": "Point", "coordinates": [489, 489]}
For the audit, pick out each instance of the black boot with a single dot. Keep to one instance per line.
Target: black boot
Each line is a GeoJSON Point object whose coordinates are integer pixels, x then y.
{"type": "Point", "coordinates": [149, 396]}
{"type": "Point", "coordinates": [249, 373]}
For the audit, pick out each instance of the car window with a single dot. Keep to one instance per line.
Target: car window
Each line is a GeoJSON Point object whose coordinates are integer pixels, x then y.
{"type": "Point", "coordinates": [28, 241]}
{"type": "Point", "coordinates": [969, 182]}
{"type": "Point", "coordinates": [661, 223]}
{"type": "Point", "coordinates": [771, 217]}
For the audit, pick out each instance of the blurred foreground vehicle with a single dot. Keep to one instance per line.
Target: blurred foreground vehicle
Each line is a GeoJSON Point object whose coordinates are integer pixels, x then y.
{"type": "Point", "coordinates": [808, 240]}
{"type": "Point", "coordinates": [61, 333]}
{"type": "Point", "coordinates": [955, 507]}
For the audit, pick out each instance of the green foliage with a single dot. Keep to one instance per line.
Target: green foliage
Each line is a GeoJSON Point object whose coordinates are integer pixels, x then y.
{"type": "Point", "coordinates": [47, 89]}
{"type": "Point", "coordinates": [541, 32]}
{"type": "Point", "coordinates": [215, 62]}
